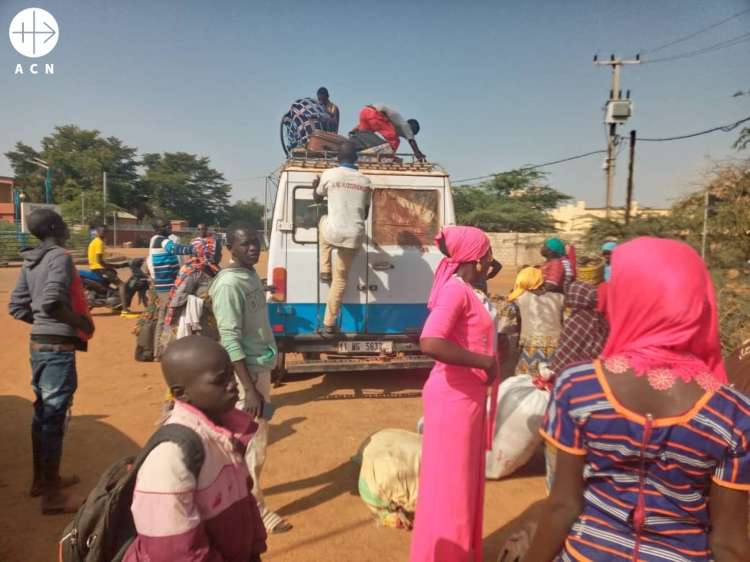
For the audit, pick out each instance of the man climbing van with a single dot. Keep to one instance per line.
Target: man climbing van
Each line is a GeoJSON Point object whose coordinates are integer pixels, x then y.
{"type": "Point", "coordinates": [343, 228]}
{"type": "Point", "coordinates": [389, 124]}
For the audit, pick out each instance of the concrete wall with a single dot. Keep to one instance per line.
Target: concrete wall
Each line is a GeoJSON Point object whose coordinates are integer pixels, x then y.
{"type": "Point", "coordinates": [514, 249]}
{"type": "Point", "coordinates": [576, 218]}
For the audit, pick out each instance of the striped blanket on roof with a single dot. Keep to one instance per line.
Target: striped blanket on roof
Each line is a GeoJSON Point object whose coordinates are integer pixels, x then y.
{"type": "Point", "coordinates": [304, 117]}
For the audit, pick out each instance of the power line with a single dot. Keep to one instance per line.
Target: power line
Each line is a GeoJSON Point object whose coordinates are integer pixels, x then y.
{"type": "Point", "coordinates": [695, 33]}
{"type": "Point", "coordinates": [533, 167]}
{"type": "Point", "coordinates": [724, 128]}
{"type": "Point", "coordinates": [710, 49]}
{"type": "Point", "coordinates": [620, 141]}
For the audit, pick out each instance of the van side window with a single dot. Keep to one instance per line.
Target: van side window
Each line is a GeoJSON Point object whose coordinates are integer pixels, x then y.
{"type": "Point", "coordinates": [306, 213]}
{"type": "Point", "coordinates": [405, 217]}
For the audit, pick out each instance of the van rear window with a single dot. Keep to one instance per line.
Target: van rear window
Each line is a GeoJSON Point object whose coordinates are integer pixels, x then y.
{"type": "Point", "coordinates": [306, 216]}
{"type": "Point", "coordinates": [405, 217]}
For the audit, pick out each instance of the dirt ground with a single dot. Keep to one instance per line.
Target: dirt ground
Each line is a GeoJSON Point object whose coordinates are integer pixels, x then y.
{"type": "Point", "coordinates": [309, 477]}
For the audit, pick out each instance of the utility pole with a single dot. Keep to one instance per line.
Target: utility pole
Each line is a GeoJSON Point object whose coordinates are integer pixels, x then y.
{"type": "Point", "coordinates": [631, 163]}
{"type": "Point", "coordinates": [617, 112]}
{"type": "Point", "coordinates": [704, 238]}
{"type": "Point", "coordinates": [83, 208]}
{"type": "Point", "coordinates": [104, 197]}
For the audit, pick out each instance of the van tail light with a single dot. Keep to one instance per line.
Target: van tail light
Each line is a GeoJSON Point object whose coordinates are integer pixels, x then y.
{"type": "Point", "coordinates": [279, 284]}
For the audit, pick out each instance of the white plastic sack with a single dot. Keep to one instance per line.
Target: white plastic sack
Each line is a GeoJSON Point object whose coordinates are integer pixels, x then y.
{"type": "Point", "coordinates": [520, 412]}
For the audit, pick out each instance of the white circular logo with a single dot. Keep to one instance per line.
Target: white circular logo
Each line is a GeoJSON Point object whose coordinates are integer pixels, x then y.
{"type": "Point", "coordinates": [34, 32]}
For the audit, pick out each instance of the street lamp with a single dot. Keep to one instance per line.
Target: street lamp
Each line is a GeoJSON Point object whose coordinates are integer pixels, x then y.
{"type": "Point", "coordinates": [47, 178]}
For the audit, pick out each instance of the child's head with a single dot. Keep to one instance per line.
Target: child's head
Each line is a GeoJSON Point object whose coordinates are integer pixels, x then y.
{"type": "Point", "coordinates": [47, 224]}
{"type": "Point", "coordinates": [199, 372]}
{"type": "Point", "coordinates": [243, 244]}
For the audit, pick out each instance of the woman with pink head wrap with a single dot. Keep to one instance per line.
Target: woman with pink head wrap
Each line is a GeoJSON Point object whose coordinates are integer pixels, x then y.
{"type": "Point", "coordinates": [461, 335]}
{"type": "Point", "coordinates": [653, 451]}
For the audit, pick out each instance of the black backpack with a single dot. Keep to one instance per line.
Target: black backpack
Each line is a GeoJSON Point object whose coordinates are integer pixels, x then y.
{"type": "Point", "coordinates": [103, 528]}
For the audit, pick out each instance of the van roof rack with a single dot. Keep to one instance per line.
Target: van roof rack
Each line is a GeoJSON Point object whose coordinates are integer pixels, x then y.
{"type": "Point", "coordinates": [327, 159]}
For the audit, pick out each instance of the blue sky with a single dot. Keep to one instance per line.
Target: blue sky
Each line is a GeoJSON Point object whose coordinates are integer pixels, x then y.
{"type": "Point", "coordinates": [495, 85]}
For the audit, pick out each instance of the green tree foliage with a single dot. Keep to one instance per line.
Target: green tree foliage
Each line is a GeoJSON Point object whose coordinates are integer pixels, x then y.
{"type": "Point", "coordinates": [515, 201]}
{"type": "Point", "coordinates": [728, 248]}
{"type": "Point", "coordinates": [246, 211]}
{"type": "Point", "coordinates": [743, 141]}
{"type": "Point", "coordinates": [175, 184]}
{"type": "Point", "coordinates": [78, 158]}
{"type": "Point", "coordinates": [184, 185]}
{"type": "Point", "coordinates": [728, 184]}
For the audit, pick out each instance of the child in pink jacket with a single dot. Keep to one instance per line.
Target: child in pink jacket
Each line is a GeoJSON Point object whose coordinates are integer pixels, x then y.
{"type": "Point", "coordinates": [213, 518]}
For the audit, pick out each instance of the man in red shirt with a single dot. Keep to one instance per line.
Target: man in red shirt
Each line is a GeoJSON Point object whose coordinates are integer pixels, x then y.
{"type": "Point", "coordinates": [389, 124]}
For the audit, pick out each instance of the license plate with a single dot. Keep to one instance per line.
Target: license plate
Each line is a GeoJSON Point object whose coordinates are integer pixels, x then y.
{"type": "Point", "coordinates": [365, 347]}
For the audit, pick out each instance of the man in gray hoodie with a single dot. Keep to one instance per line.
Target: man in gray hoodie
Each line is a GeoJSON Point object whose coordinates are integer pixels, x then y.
{"type": "Point", "coordinates": [48, 297]}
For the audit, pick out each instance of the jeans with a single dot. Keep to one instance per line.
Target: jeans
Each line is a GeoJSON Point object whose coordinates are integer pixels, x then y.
{"type": "Point", "coordinates": [54, 380]}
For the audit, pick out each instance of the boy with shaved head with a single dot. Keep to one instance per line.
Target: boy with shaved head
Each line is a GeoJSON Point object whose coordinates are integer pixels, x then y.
{"type": "Point", "coordinates": [214, 516]}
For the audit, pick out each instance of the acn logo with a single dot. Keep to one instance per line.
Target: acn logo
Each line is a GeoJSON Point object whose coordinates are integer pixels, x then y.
{"type": "Point", "coordinates": [34, 32]}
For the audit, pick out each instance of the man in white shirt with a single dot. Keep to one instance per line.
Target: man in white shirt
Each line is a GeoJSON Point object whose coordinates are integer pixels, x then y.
{"type": "Point", "coordinates": [343, 228]}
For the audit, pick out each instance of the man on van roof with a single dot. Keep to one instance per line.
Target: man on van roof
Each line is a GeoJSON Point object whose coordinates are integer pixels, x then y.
{"type": "Point", "coordinates": [343, 228]}
{"type": "Point", "coordinates": [389, 123]}
{"type": "Point", "coordinates": [332, 109]}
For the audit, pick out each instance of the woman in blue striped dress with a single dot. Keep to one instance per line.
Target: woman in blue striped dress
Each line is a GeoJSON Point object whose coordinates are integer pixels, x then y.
{"type": "Point", "coordinates": [653, 448]}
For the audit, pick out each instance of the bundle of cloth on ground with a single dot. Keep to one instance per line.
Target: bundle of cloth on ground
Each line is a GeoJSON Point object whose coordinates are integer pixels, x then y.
{"type": "Point", "coordinates": [389, 476]}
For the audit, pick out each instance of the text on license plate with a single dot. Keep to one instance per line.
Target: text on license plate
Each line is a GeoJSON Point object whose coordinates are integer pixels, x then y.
{"type": "Point", "coordinates": [365, 347]}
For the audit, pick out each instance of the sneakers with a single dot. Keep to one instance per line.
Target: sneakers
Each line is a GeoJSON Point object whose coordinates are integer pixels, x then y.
{"type": "Point", "coordinates": [128, 314]}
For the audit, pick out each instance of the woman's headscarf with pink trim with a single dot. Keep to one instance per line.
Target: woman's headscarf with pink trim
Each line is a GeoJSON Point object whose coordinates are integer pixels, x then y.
{"type": "Point", "coordinates": [662, 310]}
{"type": "Point", "coordinates": [465, 244]}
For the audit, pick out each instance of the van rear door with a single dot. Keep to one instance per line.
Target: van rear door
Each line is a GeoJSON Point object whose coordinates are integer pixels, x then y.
{"type": "Point", "coordinates": [306, 295]}
{"type": "Point", "coordinates": [407, 213]}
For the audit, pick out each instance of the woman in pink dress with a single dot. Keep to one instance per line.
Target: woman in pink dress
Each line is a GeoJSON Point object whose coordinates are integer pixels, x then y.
{"type": "Point", "coordinates": [461, 335]}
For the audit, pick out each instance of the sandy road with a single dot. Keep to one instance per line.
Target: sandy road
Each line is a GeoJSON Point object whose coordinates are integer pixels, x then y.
{"type": "Point", "coordinates": [309, 478]}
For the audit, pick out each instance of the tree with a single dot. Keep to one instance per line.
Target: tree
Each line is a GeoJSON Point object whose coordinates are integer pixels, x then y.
{"type": "Point", "coordinates": [728, 248]}
{"type": "Point", "coordinates": [515, 201]}
{"type": "Point", "coordinates": [182, 185]}
{"type": "Point", "coordinates": [78, 157]}
{"type": "Point", "coordinates": [246, 211]}
{"type": "Point", "coordinates": [743, 141]}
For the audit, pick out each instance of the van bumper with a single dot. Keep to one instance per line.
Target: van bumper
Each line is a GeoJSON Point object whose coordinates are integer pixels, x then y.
{"type": "Point", "coordinates": [316, 343]}
{"type": "Point", "coordinates": [322, 355]}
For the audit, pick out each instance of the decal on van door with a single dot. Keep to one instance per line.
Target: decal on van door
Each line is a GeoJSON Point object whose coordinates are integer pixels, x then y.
{"type": "Point", "coordinates": [405, 217]}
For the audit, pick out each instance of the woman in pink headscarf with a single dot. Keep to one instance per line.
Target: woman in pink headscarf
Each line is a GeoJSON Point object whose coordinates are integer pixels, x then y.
{"type": "Point", "coordinates": [653, 451]}
{"type": "Point", "coordinates": [461, 335]}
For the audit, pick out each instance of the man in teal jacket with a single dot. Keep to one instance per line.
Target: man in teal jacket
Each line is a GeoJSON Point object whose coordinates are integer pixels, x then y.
{"type": "Point", "coordinates": [239, 305]}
